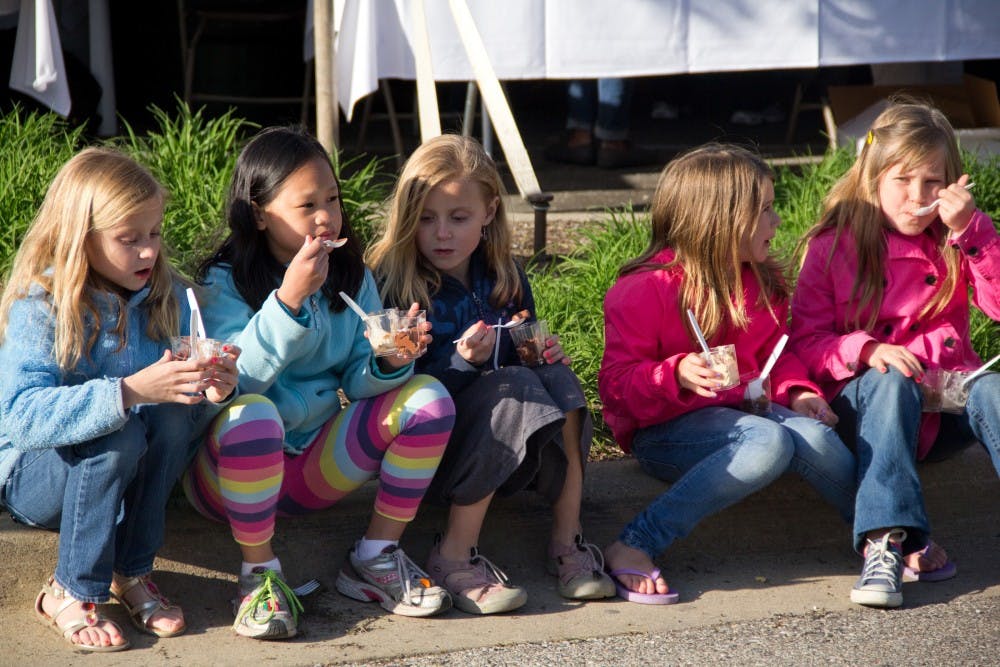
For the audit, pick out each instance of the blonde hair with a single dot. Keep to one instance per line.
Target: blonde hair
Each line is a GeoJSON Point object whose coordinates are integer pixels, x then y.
{"type": "Point", "coordinates": [95, 190]}
{"type": "Point", "coordinates": [404, 274]}
{"type": "Point", "coordinates": [706, 203]}
{"type": "Point", "coordinates": [909, 134]}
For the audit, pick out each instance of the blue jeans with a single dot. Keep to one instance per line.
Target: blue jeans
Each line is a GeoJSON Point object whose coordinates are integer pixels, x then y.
{"type": "Point", "coordinates": [717, 456]}
{"type": "Point", "coordinates": [106, 497]}
{"type": "Point", "coordinates": [880, 416]}
{"type": "Point", "coordinates": [601, 106]}
{"type": "Point", "coordinates": [889, 490]}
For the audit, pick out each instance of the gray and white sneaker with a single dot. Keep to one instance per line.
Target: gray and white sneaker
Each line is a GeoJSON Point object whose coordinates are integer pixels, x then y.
{"type": "Point", "coordinates": [880, 584]}
{"type": "Point", "coordinates": [394, 581]}
{"type": "Point", "coordinates": [267, 608]}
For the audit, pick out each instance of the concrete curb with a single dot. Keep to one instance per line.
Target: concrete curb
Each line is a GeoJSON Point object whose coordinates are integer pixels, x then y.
{"type": "Point", "coordinates": [782, 551]}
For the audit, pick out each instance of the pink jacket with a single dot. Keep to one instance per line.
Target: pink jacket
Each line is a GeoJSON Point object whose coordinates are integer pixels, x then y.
{"type": "Point", "coordinates": [646, 338]}
{"type": "Point", "coordinates": [913, 271]}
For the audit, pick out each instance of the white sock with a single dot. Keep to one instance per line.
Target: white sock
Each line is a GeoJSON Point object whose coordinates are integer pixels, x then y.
{"type": "Point", "coordinates": [367, 549]}
{"type": "Point", "coordinates": [273, 564]}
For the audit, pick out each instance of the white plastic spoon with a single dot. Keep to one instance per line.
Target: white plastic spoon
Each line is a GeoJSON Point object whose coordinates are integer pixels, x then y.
{"type": "Point", "coordinates": [354, 306]}
{"type": "Point", "coordinates": [196, 328]}
{"type": "Point", "coordinates": [979, 371]}
{"type": "Point", "coordinates": [707, 355]}
{"type": "Point", "coordinates": [755, 387]}
{"type": "Point", "coordinates": [507, 325]}
{"type": "Point", "coordinates": [934, 204]}
{"type": "Point", "coordinates": [327, 243]}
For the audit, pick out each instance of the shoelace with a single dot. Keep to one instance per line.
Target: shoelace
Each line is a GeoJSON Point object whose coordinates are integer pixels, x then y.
{"type": "Point", "coordinates": [264, 592]}
{"type": "Point", "coordinates": [409, 573]}
{"type": "Point", "coordinates": [595, 551]}
{"type": "Point", "coordinates": [488, 566]}
{"type": "Point", "coordinates": [881, 563]}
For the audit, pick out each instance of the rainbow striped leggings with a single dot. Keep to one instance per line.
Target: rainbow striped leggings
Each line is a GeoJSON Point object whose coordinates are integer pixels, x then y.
{"type": "Point", "coordinates": [241, 475]}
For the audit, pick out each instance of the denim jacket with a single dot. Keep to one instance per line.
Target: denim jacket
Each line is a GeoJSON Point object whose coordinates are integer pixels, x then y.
{"type": "Point", "coordinates": [455, 309]}
{"type": "Point", "coordinates": [40, 405]}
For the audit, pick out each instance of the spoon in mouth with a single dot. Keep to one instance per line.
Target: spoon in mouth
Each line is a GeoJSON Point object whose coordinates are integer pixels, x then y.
{"type": "Point", "coordinates": [924, 210]}
{"type": "Point", "coordinates": [334, 244]}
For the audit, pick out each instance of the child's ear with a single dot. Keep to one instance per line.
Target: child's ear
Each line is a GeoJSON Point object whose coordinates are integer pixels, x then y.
{"type": "Point", "coordinates": [491, 209]}
{"type": "Point", "coordinates": [258, 216]}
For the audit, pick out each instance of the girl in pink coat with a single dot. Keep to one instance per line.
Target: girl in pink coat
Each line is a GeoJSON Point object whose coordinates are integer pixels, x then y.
{"type": "Point", "coordinates": [712, 224]}
{"type": "Point", "coordinates": [883, 297]}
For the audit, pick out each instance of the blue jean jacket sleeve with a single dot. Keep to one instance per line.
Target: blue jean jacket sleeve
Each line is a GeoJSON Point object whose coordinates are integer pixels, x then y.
{"type": "Point", "coordinates": [39, 408]}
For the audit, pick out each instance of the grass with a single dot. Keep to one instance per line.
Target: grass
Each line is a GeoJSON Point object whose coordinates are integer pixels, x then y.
{"type": "Point", "coordinates": [193, 156]}
{"type": "Point", "coordinates": [34, 147]}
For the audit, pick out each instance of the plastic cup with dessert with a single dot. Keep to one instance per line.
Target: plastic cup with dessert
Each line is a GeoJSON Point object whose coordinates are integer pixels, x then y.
{"type": "Point", "coordinates": [529, 341]}
{"type": "Point", "coordinates": [406, 335]}
{"type": "Point", "coordinates": [381, 326]}
{"type": "Point", "coordinates": [944, 390]}
{"type": "Point", "coordinates": [722, 360]}
{"type": "Point", "coordinates": [205, 348]}
{"type": "Point", "coordinates": [757, 397]}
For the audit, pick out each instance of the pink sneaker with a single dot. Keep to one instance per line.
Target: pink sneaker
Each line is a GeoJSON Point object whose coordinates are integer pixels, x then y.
{"type": "Point", "coordinates": [477, 586]}
{"type": "Point", "coordinates": [580, 569]}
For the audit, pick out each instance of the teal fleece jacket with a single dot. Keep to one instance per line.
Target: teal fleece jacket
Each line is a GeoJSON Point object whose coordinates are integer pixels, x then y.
{"type": "Point", "coordinates": [299, 362]}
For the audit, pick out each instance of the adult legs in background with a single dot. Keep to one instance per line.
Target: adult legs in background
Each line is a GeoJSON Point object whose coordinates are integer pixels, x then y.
{"type": "Point", "coordinates": [597, 124]}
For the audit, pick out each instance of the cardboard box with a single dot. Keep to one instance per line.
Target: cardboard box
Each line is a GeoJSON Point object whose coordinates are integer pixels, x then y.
{"type": "Point", "coordinates": [972, 108]}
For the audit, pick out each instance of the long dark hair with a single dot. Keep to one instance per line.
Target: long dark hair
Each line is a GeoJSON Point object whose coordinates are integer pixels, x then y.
{"type": "Point", "coordinates": [264, 164]}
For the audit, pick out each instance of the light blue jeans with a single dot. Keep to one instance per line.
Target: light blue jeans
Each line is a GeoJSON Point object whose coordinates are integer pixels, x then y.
{"type": "Point", "coordinates": [601, 106]}
{"type": "Point", "coordinates": [880, 416]}
{"type": "Point", "coordinates": [715, 457]}
{"type": "Point", "coordinates": [106, 497]}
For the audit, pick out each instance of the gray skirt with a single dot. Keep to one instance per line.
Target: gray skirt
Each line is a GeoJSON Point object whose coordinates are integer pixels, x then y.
{"type": "Point", "coordinates": [508, 435]}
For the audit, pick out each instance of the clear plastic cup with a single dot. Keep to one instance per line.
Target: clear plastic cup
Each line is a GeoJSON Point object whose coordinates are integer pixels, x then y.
{"type": "Point", "coordinates": [529, 341]}
{"type": "Point", "coordinates": [757, 397]}
{"type": "Point", "coordinates": [382, 326]}
{"type": "Point", "coordinates": [207, 348]}
{"type": "Point", "coordinates": [722, 360]}
{"type": "Point", "coordinates": [406, 336]}
{"type": "Point", "coordinates": [944, 390]}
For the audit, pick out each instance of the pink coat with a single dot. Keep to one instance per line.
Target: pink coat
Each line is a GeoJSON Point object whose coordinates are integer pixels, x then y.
{"type": "Point", "coordinates": [646, 338]}
{"type": "Point", "coordinates": [914, 269]}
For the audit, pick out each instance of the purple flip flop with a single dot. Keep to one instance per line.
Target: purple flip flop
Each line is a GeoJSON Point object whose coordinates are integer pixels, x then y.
{"type": "Point", "coordinates": [946, 571]}
{"type": "Point", "coordinates": [641, 598]}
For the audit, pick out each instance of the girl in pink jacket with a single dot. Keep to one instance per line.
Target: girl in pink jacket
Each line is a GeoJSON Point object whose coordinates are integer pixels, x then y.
{"type": "Point", "coordinates": [712, 223]}
{"type": "Point", "coordinates": [882, 297]}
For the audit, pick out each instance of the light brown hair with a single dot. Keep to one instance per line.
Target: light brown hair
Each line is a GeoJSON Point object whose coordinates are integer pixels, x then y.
{"type": "Point", "coordinates": [404, 274]}
{"type": "Point", "coordinates": [909, 134]}
{"type": "Point", "coordinates": [707, 201]}
{"type": "Point", "coordinates": [94, 191]}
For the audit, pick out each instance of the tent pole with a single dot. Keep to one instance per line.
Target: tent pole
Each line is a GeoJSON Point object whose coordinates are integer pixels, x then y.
{"type": "Point", "coordinates": [327, 121]}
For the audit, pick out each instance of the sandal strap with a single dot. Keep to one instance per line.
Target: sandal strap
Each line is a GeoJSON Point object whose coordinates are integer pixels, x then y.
{"type": "Point", "coordinates": [90, 619]}
{"type": "Point", "coordinates": [142, 611]}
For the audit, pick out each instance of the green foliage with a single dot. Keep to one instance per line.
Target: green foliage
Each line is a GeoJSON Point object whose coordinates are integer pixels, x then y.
{"type": "Point", "coordinates": [364, 186]}
{"type": "Point", "coordinates": [32, 148]}
{"type": "Point", "coordinates": [798, 194]}
{"type": "Point", "coordinates": [570, 295]}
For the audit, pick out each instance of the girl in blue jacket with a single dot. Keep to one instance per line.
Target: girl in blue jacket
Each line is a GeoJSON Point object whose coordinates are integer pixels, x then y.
{"type": "Point", "coordinates": [96, 413]}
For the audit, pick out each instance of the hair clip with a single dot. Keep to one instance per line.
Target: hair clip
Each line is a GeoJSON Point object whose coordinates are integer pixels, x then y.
{"type": "Point", "coordinates": [870, 138]}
